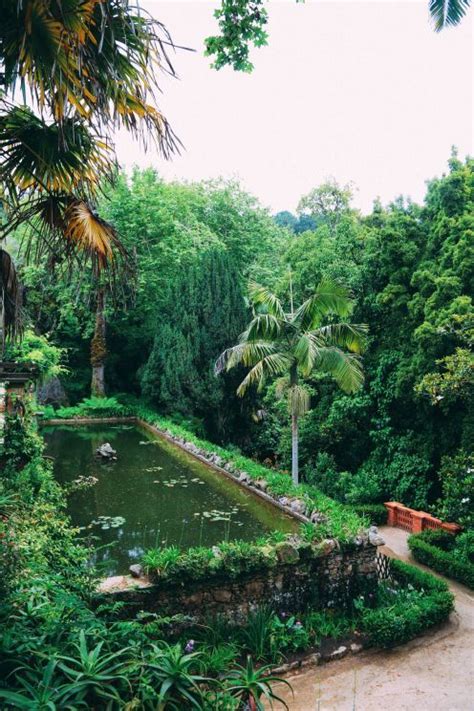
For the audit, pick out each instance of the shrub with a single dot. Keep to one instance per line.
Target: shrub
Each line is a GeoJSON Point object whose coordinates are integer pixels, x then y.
{"type": "Point", "coordinates": [226, 560]}
{"type": "Point", "coordinates": [417, 601]}
{"type": "Point", "coordinates": [90, 407]}
{"type": "Point", "coordinates": [445, 553]}
{"type": "Point", "coordinates": [457, 482]}
{"type": "Point", "coordinates": [376, 514]}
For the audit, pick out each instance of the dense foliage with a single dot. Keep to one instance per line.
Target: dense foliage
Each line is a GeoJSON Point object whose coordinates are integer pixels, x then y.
{"type": "Point", "coordinates": [65, 646]}
{"type": "Point", "coordinates": [406, 435]}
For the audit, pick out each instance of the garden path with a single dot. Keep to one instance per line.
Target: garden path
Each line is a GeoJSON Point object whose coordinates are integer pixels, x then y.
{"type": "Point", "coordinates": [434, 671]}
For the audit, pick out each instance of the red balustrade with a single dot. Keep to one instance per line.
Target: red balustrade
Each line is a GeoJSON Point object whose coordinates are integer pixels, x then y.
{"type": "Point", "coordinates": [415, 521]}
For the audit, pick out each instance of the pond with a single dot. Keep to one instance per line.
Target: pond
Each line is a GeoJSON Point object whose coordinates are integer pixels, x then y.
{"type": "Point", "coordinates": [155, 494]}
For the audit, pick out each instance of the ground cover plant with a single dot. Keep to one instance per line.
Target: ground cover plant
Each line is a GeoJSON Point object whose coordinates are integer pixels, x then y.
{"type": "Point", "coordinates": [449, 555]}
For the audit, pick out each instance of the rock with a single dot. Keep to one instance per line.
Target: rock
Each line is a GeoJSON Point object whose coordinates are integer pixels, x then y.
{"type": "Point", "coordinates": [325, 547]}
{"type": "Point", "coordinates": [298, 506]}
{"type": "Point", "coordinates": [218, 460]}
{"type": "Point", "coordinates": [339, 653]}
{"type": "Point", "coordinates": [285, 668]}
{"type": "Point", "coordinates": [317, 517]}
{"type": "Point", "coordinates": [222, 595]}
{"type": "Point", "coordinates": [311, 660]}
{"type": "Point", "coordinates": [375, 538]}
{"type": "Point", "coordinates": [261, 484]}
{"type": "Point", "coordinates": [136, 570]}
{"type": "Point", "coordinates": [355, 647]}
{"type": "Point", "coordinates": [286, 553]}
{"type": "Point", "coordinates": [106, 452]}
{"type": "Point", "coordinates": [283, 500]}
{"type": "Point", "coordinates": [52, 392]}
{"type": "Point", "coordinates": [244, 477]}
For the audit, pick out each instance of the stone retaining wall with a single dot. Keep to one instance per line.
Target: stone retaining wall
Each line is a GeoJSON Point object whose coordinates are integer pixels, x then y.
{"type": "Point", "coordinates": [319, 576]}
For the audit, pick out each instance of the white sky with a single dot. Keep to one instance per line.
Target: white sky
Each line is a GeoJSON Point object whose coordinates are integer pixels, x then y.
{"type": "Point", "coordinates": [362, 91]}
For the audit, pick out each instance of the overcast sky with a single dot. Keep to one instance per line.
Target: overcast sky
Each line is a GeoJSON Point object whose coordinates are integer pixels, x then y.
{"type": "Point", "coordinates": [363, 91]}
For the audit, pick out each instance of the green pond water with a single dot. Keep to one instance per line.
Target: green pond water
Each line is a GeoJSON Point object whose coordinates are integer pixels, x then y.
{"type": "Point", "coordinates": [154, 494]}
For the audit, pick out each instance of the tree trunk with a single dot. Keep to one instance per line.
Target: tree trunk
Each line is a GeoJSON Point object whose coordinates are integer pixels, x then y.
{"type": "Point", "coordinates": [294, 429]}
{"type": "Point", "coordinates": [99, 348]}
{"type": "Point", "coordinates": [294, 449]}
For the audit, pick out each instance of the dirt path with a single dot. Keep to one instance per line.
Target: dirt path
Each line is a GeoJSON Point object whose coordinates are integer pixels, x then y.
{"type": "Point", "coordinates": [432, 673]}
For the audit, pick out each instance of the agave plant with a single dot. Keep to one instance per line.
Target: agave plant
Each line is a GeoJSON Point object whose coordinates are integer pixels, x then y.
{"type": "Point", "coordinates": [41, 689]}
{"type": "Point", "coordinates": [292, 344]}
{"type": "Point", "coordinates": [95, 674]}
{"type": "Point", "coordinates": [251, 685]}
{"type": "Point", "coordinates": [172, 674]}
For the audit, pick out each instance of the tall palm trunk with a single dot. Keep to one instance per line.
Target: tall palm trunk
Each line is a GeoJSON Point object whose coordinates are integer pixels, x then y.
{"type": "Point", "coordinates": [294, 449]}
{"type": "Point", "coordinates": [99, 347]}
{"type": "Point", "coordinates": [294, 429]}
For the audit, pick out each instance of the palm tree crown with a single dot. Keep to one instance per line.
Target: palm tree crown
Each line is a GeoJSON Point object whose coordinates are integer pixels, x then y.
{"type": "Point", "coordinates": [290, 345]}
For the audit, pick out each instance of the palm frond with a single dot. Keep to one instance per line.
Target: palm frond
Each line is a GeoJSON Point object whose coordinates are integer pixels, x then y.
{"type": "Point", "coordinates": [351, 336]}
{"type": "Point", "coordinates": [246, 353]}
{"type": "Point", "coordinates": [264, 326]}
{"type": "Point", "coordinates": [86, 232]}
{"type": "Point", "coordinates": [64, 228]}
{"type": "Point", "coordinates": [88, 58]}
{"type": "Point", "coordinates": [261, 296]}
{"type": "Point", "coordinates": [270, 366]}
{"type": "Point", "coordinates": [328, 299]}
{"type": "Point", "coordinates": [345, 368]}
{"type": "Point", "coordinates": [447, 13]}
{"type": "Point", "coordinates": [306, 351]}
{"type": "Point", "coordinates": [35, 155]}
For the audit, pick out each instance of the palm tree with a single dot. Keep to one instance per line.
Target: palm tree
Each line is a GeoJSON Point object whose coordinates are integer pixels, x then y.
{"type": "Point", "coordinates": [80, 69]}
{"type": "Point", "coordinates": [293, 345]}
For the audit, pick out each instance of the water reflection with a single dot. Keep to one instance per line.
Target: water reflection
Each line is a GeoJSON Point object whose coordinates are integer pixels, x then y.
{"type": "Point", "coordinates": [153, 495]}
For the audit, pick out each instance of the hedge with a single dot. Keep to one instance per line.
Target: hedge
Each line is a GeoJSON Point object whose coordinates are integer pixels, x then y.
{"type": "Point", "coordinates": [390, 626]}
{"type": "Point", "coordinates": [429, 548]}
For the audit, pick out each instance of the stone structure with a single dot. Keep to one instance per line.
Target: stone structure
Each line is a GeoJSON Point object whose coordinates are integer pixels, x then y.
{"type": "Point", "coordinates": [319, 576]}
{"type": "Point", "coordinates": [15, 379]}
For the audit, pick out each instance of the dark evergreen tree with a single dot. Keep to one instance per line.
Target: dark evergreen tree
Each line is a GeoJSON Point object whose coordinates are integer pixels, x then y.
{"type": "Point", "coordinates": [204, 313]}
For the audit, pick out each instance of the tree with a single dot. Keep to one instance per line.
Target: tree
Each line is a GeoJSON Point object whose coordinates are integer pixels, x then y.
{"type": "Point", "coordinates": [203, 314]}
{"type": "Point", "coordinates": [327, 204]}
{"type": "Point", "coordinates": [84, 69]}
{"type": "Point", "coordinates": [295, 344]}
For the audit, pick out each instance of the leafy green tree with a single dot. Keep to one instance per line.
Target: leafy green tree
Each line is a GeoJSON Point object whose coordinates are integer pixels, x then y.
{"type": "Point", "coordinates": [294, 344]}
{"type": "Point", "coordinates": [327, 204]}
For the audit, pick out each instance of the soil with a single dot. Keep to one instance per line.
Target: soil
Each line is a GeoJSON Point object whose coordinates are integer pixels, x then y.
{"type": "Point", "coordinates": [434, 671]}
